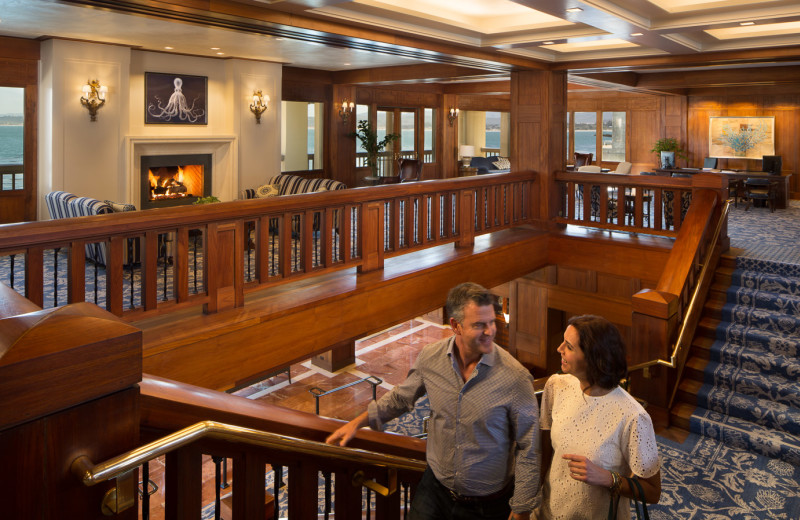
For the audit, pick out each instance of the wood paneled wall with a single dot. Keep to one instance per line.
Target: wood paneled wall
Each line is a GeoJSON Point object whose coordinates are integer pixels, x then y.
{"type": "Point", "coordinates": [782, 103]}
{"type": "Point", "coordinates": [650, 117]}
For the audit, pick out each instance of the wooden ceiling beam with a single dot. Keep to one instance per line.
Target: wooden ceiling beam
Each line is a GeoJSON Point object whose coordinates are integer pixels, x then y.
{"type": "Point", "coordinates": [740, 57]}
{"type": "Point", "coordinates": [247, 17]}
{"type": "Point", "coordinates": [432, 72]}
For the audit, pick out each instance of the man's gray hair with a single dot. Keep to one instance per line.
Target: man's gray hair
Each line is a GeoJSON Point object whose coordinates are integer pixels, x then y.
{"type": "Point", "coordinates": [460, 295]}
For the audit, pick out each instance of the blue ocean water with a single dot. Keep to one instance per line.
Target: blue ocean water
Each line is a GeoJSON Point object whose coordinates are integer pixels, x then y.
{"type": "Point", "coordinates": [586, 141]}
{"type": "Point", "coordinates": [11, 141]}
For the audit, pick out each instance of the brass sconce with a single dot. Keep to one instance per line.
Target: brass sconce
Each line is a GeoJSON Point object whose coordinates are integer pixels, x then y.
{"type": "Point", "coordinates": [452, 115]}
{"type": "Point", "coordinates": [94, 97]}
{"type": "Point", "coordinates": [259, 105]}
{"type": "Point", "coordinates": [346, 109]}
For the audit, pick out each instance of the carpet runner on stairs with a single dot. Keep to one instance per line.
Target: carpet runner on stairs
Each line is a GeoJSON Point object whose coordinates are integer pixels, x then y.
{"type": "Point", "coordinates": [751, 393]}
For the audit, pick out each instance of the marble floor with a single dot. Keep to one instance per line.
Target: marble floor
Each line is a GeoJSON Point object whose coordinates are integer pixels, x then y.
{"type": "Point", "coordinates": [387, 355]}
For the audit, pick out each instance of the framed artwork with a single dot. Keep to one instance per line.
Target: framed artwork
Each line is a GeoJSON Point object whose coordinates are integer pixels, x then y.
{"type": "Point", "coordinates": [741, 137]}
{"type": "Point", "coordinates": [175, 99]}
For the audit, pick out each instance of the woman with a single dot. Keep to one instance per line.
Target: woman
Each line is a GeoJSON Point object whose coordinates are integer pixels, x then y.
{"type": "Point", "coordinates": [598, 433]}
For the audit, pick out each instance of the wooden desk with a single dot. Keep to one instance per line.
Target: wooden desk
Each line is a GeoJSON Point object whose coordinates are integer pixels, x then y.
{"type": "Point", "coordinates": [783, 179]}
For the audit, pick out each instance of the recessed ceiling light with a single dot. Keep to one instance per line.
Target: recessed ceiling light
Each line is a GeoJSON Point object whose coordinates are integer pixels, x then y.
{"type": "Point", "coordinates": [574, 10]}
{"type": "Point", "coordinates": [279, 39]}
{"type": "Point", "coordinates": [169, 48]}
{"type": "Point", "coordinates": [548, 43]}
{"type": "Point", "coordinates": [636, 34]}
{"type": "Point", "coordinates": [214, 48]}
{"type": "Point", "coordinates": [346, 64]}
{"type": "Point", "coordinates": [747, 23]}
{"type": "Point", "coordinates": [220, 53]}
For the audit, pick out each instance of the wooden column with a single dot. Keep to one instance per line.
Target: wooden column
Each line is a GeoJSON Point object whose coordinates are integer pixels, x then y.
{"type": "Point", "coordinates": [538, 133]}
{"type": "Point", "coordinates": [338, 357]}
{"type": "Point", "coordinates": [449, 137]}
{"type": "Point", "coordinates": [342, 149]}
{"type": "Point", "coordinates": [371, 237]}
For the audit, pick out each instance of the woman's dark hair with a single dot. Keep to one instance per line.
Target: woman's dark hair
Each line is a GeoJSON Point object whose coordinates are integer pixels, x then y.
{"type": "Point", "coordinates": [603, 349]}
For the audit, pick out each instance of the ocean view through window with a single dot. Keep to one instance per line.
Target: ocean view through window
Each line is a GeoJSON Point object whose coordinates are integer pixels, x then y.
{"type": "Point", "coordinates": [12, 142]}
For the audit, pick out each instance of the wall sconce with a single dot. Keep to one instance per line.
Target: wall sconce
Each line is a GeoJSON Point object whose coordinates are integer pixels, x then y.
{"type": "Point", "coordinates": [346, 109]}
{"type": "Point", "coordinates": [452, 115]}
{"type": "Point", "coordinates": [259, 105]}
{"type": "Point", "coordinates": [94, 97]}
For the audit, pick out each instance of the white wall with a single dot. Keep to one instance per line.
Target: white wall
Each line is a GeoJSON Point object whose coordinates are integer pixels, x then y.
{"type": "Point", "coordinates": [94, 158]}
{"type": "Point", "coordinates": [76, 154]}
{"type": "Point", "coordinates": [259, 144]}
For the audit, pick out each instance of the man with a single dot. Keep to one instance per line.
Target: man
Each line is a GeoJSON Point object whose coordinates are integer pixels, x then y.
{"type": "Point", "coordinates": [483, 434]}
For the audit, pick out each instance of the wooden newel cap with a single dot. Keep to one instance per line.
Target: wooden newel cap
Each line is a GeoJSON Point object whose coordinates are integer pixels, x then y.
{"type": "Point", "coordinates": [655, 303]}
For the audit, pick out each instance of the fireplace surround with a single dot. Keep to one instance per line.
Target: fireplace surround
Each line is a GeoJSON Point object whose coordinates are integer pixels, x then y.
{"type": "Point", "coordinates": [174, 179]}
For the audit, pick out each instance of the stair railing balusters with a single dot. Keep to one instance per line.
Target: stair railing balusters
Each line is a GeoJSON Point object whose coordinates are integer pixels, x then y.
{"type": "Point", "coordinates": [224, 484]}
{"type": "Point", "coordinates": [218, 477]}
{"type": "Point", "coordinates": [55, 276]}
{"type": "Point", "coordinates": [145, 483]}
{"type": "Point", "coordinates": [11, 274]}
{"type": "Point", "coordinates": [327, 476]}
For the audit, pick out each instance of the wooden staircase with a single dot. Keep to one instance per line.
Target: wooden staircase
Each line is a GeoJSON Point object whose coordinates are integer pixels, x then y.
{"type": "Point", "coordinates": [705, 335]}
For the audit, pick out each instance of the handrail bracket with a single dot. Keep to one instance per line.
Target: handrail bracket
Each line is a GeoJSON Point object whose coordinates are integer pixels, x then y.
{"type": "Point", "coordinates": [360, 480]}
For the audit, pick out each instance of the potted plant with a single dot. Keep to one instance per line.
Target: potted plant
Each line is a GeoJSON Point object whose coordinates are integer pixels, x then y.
{"type": "Point", "coordinates": [668, 148]}
{"type": "Point", "coordinates": [369, 142]}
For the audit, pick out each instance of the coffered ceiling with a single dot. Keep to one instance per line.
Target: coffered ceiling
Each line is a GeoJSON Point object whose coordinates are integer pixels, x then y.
{"type": "Point", "coordinates": [627, 42]}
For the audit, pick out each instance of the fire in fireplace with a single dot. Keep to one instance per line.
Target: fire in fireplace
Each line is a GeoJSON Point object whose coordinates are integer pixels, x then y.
{"type": "Point", "coordinates": [173, 180]}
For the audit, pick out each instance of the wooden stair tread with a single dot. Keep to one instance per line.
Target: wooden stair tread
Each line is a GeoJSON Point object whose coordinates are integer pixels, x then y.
{"type": "Point", "coordinates": [681, 414]}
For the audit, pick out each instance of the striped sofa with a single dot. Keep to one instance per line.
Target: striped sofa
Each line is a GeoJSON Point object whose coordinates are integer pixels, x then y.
{"type": "Point", "coordinates": [294, 184]}
{"type": "Point", "coordinates": [62, 204]}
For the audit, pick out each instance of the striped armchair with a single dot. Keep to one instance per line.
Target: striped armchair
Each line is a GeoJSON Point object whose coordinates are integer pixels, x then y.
{"type": "Point", "coordinates": [62, 204]}
{"type": "Point", "coordinates": [294, 184]}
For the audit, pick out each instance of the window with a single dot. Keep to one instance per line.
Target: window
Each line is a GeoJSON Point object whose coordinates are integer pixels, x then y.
{"type": "Point", "coordinates": [301, 136]}
{"type": "Point", "coordinates": [613, 147]}
{"type": "Point", "coordinates": [487, 131]}
{"type": "Point", "coordinates": [583, 137]}
{"type": "Point", "coordinates": [12, 110]}
{"type": "Point", "coordinates": [429, 124]}
{"type": "Point", "coordinates": [586, 132]}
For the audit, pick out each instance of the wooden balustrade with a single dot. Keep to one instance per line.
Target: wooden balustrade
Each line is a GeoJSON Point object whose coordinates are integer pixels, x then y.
{"type": "Point", "coordinates": [213, 254]}
{"type": "Point", "coordinates": [657, 313]}
{"type": "Point", "coordinates": [639, 203]}
{"type": "Point", "coordinates": [167, 406]}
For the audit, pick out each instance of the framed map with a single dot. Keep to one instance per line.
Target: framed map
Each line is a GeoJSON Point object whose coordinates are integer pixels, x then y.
{"type": "Point", "coordinates": [741, 137]}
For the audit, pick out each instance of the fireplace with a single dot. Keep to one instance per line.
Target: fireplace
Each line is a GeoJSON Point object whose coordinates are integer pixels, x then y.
{"type": "Point", "coordinates": [174, 180]}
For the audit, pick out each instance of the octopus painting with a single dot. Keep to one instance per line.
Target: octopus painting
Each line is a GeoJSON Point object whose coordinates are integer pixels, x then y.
{"type": "Point", "coordinates": [177, 109]}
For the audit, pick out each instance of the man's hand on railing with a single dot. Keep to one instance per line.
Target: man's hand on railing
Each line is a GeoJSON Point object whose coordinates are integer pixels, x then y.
{"type": "Point", "coordinates": [343, 435]}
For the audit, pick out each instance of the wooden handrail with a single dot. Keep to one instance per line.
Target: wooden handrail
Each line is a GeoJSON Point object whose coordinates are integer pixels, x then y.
{"type": "Point", "coordinates": [285, 238]}
{"type": "Point", "coordinates": [167, 405]}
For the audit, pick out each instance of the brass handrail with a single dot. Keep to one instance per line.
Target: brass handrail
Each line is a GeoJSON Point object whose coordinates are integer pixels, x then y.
{"type": "Point", "coordinates": [91, 474]}
{"type": "Point", "coordinates": [691, 309]}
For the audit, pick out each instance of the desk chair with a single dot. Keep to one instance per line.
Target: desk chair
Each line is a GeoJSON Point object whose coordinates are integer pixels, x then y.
{"type": "Point", "coordinates": [408, 170]}
{"type": "Point", "coordinates": [736, 191]}
{"type": "Point", "coordinates": [761, 189]}
{"type": "Point", "coordinates": [595, 196]}
{"type": "Point", "coordinates": [623, 168]}
{"type": "Point", "coordinates": [582, 159]}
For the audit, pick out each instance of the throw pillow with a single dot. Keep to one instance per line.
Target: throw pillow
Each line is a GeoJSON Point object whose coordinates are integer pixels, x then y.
{"type": "Point", "coordinates": [267, 190]}
{"type": "Point", "coordinates": [119, 207]}
{"type": "Point", "coordinates": [502, 163]}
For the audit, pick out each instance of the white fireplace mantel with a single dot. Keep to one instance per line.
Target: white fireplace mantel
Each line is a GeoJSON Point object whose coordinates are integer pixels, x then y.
{"type": "Point", "coordinates": [224, 161]}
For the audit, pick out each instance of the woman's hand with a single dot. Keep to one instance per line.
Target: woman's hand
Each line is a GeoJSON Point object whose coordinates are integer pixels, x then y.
{"type": "Point", "coordinates": [584, 470]}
